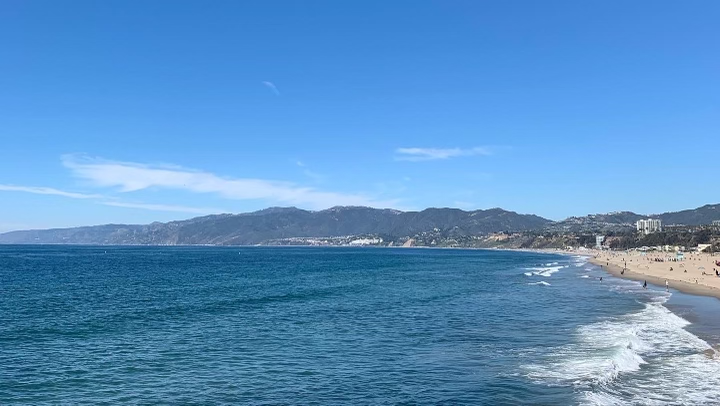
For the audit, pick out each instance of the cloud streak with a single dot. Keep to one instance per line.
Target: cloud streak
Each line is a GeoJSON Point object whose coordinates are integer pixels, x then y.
{"type": "Point", "coordinates": [272, 87]}
{"type": "Point", "coordinates": [131, 177]}
{"type": "Point", "coordinates": [48, 191]}
{"type": "Point", "coordinates": [164, 207]}
{"type": "Point", "coordinates": [108, 201]}
{"type": "Point", "coordinates": [317, 177]}
{"type": "Point", "coordinates": [433, 154]}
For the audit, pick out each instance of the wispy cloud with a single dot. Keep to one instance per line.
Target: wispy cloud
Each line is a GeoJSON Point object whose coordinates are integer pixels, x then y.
{"type": "Point", "coordinates": [164, 207]}
{"type": "Point", "coordinates": [317, 177]}
{"type": "Point", "coordinates": [48, 191]}
{"type": "Point", "coordinates": [108, 200]}
{"type": "Point", "coordinates": [131, 177]}
{"type": "Point", "coordinates": [431, 154]}
{"type": "Point", "coordinates": [271, 86]}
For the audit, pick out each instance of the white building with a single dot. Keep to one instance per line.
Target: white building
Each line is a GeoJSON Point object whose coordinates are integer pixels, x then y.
{"type": "Point", "coordinates": [598, 241]}
{"type": "Point", "coordinates": [649, 226]}
{"type": "Point", "coordinates": [703, 247]}
{"type": "Point", "coordinates": [366, 241]}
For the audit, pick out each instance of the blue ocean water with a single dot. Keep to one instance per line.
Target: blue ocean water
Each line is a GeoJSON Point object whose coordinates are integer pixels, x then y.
{"type": "Point", "coordinates": [181, 325]}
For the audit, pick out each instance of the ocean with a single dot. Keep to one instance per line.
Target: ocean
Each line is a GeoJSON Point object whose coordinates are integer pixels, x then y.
{"type": "Point", "coordinates": [276, 325]}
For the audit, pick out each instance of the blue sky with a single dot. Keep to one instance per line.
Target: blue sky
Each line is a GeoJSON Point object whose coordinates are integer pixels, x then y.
{"type": "Point", "coordinates": [134, 111]}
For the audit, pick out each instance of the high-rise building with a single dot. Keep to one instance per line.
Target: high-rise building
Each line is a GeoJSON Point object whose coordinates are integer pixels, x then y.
{"type": "Point", "coordinates": [648, 226]}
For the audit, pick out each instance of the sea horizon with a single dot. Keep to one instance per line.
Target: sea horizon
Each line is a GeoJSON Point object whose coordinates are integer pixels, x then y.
{"type": "Point", "coordinates": [359, 203]}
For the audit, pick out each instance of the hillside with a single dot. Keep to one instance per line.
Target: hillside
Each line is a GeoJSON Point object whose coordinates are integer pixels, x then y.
{"type": "Point", "coordinates": [693, 217]}
{"type": "Point", "coordinates": [433, 226]}
{"type": "Point", "coordinates": [277, 223]}
{"type": "Point", "coordinates": [626, 219]}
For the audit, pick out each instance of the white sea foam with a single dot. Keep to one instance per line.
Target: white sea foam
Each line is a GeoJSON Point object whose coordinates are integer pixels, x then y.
{"type": "Point", "coordinates": [546, 271]}
{"type": "Point", "coordinates": [543, 283]}
{"type": "Point", "coordinates": [580, 260]}
{"type": "Point", "coordinates": [638, 358]}
{"type": "Point", "coordinates": [528, 274]}
{"type": "Point", "coordinates": [584, 276]}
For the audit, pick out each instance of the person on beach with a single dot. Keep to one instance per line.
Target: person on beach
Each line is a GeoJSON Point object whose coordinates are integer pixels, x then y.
{"type": "Point", "coordinates": [601, 279]}
{"type": "Point", "coordinates": [667, 286]}
{"type": "Point", "coordinates": [645, 285]}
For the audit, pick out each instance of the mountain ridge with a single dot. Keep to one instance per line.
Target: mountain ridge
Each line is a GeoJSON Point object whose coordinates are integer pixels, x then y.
{"type": "Point", "coordinates": [285, 222]}
{"type": "Point", "coordinates": [275, 223]}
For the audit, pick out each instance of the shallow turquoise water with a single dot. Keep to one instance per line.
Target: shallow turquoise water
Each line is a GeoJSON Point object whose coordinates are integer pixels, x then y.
{"type": "Point", "coordinates": [179, 325]}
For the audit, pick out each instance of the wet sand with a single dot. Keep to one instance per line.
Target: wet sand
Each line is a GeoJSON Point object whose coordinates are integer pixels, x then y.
{"type": "Point", "coordinates": [685, 276]}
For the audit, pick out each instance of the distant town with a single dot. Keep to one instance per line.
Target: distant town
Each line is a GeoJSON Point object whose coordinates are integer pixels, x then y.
{"type": "Point", "coordinates": [649, 234]}
{"type": "Point", "coordinates": [352, 226]}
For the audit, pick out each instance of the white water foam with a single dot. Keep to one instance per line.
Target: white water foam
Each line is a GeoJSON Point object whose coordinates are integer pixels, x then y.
{"type": "Point", "coordinates": [543, 283]}
{"type": "Point", "coordinates": [584, 276]}
{"type": "Point", "coordinates": [545, 271]}
{"type": "Point", "coordinates": [645, 357]}
{"type": "Point", "coordinates": [579, 260]}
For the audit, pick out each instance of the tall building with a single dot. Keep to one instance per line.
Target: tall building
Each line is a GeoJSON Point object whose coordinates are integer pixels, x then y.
{"type": "Point", "coordinates": [598, 241]}
{"type": "Point", "coordinates": [649, 226]}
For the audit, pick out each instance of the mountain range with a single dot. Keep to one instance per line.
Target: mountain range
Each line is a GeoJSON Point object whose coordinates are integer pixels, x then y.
{"type": "Point", "coordinates": [281, 223]}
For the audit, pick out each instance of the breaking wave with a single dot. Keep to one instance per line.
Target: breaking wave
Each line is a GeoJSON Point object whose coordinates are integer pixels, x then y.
{"type": "Point", "coordinates": [544, 271]}
{"type": "Point", "coordinates": [638, 358]}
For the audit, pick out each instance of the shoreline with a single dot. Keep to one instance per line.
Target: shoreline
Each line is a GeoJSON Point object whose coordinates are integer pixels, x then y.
{"type": "Point", "coordinates": [705, 324]}
{"type": "Point", "coordinates": [630, 274]}
{"type": "Point", "coordinates": [613, 269]}
{"type": "Point", "coordinates": [681, 286]}
{"type": "Point", "coordinates": [659, 281]}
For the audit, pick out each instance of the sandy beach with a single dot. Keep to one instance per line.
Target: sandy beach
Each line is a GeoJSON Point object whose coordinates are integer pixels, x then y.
{"type": "Point", "coordinates": [695, 274]}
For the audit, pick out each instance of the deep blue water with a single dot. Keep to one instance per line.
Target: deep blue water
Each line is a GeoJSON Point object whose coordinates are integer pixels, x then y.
{"type": "Point", "coordinates": [180, 325]}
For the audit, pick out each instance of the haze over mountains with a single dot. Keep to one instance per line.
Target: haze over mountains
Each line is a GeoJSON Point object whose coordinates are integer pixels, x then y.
{"type": "Point", "coordinates": [265, 226]}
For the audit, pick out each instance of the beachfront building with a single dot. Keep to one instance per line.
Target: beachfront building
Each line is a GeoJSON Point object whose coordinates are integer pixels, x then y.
{"type": "Point", "coordinates": [716, 223]}
{"type": "Point", "coordinates": [703, 247]}
{"type": "Point", "coordinates": [598, 241]}
{"type": "Point", "coordinates": [649, 226]}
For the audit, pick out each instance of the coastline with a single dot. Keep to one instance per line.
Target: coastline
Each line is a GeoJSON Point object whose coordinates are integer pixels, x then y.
{"type": "Point", "coordinates": [614, 269]}
{"type": "Point", "coordinates": [692, 299]}
{"type": "Point", "coordinates": [696, 303]}
{"type": "Point", "coordinates": [657, 280]}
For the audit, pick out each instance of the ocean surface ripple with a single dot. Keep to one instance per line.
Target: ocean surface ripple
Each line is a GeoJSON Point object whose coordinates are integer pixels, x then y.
{"type": "Point", "coordinates": [181, 325]}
